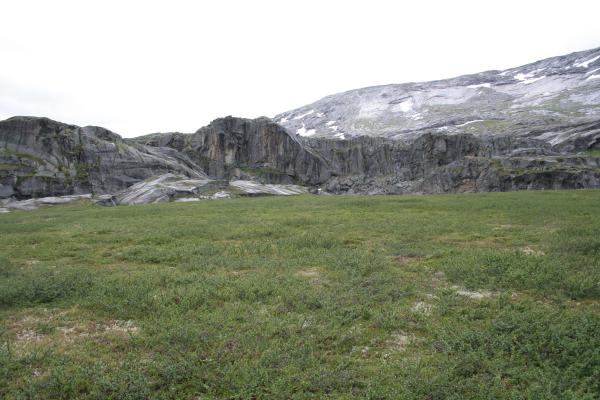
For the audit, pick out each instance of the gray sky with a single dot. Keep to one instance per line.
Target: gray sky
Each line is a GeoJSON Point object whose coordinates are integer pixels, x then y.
{"type": "Point", "coordinates": [137, 67]}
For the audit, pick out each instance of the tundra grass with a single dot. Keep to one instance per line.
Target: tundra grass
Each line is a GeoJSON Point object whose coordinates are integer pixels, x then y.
{"type": "Point", "coordinates": [474, 296]}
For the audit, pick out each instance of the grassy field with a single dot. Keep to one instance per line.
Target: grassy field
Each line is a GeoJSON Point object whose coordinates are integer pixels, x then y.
{"type": "Point", "coordinates": [474, 296]}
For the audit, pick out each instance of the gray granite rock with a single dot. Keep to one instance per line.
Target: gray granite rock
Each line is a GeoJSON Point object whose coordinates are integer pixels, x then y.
{"type": "Point", "coordinates": [106, 200]}
{"type": "Point", "coordinates": [162, 188]}
{"type": "Point", "coordinates": [32, 204]}
{"type": "Point", "coordinates": [254, 189]}
{"type": "Point", "coordinates": [41, 157]}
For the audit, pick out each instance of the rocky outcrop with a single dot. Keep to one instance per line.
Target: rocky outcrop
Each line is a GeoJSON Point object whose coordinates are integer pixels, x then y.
{"type": "Point", "coordinates": [172, 187]}
{"type": "Point", "coordinates": [231, 148]}
{"type": "Point", "coordinates": [41, 157]}
{"type": "Point", "coordinates": [251, 188]}
{"type": "Point", "coordinates": [163, 188]}
{"type": "Point", "coordinates": [32, 204]}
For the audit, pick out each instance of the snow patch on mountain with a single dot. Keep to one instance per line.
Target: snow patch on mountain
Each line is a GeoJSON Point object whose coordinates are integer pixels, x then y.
{"type": "Point", "coordinates": [305, 132]}
{"type": "Point", "coordinates": [304, 115]}
{"type": "Point", "coordinates": [470, 122]}
{"type": "Point", "coordinates": [406, 105]}
{"type": "Point", "coordinates": [513, 102]}
{"type": "Point", "coordinates": [585, 64]}
{"type": "Point", "coordinates": [481, 85]}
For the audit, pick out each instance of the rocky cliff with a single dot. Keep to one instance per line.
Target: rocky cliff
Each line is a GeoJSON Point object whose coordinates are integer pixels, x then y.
{"type": "Point", "coordinates": [532, 127]}
{"type": "Point", "coordinates": [232, 147]}
{"type": "Point", "coordinates": [41, 157]}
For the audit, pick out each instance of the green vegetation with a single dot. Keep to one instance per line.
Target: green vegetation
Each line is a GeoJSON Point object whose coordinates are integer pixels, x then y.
{"type": "Point", "coordinates": [22, 156]}
{"type": "Point", "coordinates": [9, 167]}
{"type": "Point", "coordinates": [478, 296]}
{"type": "Point", "coordinates": [593, 153]}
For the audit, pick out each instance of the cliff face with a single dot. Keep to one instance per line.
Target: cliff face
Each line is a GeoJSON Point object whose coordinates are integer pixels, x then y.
{"type": "Point", "coordinates": [432, 163]}
{"type": "Point", "coordinates": [229, 147]}
{"type": "Point", "coordinates": [40, 157]}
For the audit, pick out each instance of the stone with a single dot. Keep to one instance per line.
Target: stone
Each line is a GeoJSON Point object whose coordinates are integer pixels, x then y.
{"type": "Point", "coordinates": [106, 200]}
{"type": "Point", "coordinates": [32, 204]}
{"type": "Point", "coordinates": [254, 189]}
{"type": "Point", "coordinates": [162, 188]}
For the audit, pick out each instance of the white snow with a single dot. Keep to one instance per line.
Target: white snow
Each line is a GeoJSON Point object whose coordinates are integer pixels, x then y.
{"type": "Point", "coordinates": [585, 64]}
{"type": "Point", "coordinates": [470, 122]}
{"type": "Point", "coordinates": [304, 115]}
{"type": "Point", "coordinates": [334, 128]}
{"type": "Point", "coordinates": [283, 120]}
{"type": "Point", "coordinates": [340, 135]}
{"type": "Point", "coordinates": [305, 132]}
{"type": "Point", "coordinates": [320, 115]}
{"type": "Point", "coordinates": [329, 123]}
{"type": "Point", "coordinates": [528, 78]}
{"type": "Point", "coordinates": [485, 85]}
{"type": "Point", "coordinates": [528, 81]}
{"type": "Point", "coordinates": [592, 77]}
{"type": "Point", "coordinates": [522, 77]}
{"type": "Point", "coordinates": [592, 71]}
{"type": "Point", "coordinates": [406, 105]}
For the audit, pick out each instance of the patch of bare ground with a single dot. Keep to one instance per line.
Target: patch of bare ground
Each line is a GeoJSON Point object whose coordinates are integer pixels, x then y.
{"type": "Point", "coordinates": [403, 260]}
{"type": "Point", "coordinates": [62, 328]}
{"type": "Point", "coordinates": [313, 275]}
{"type": "Point", "coordinates": [529, 251]}
{"type": "Point", "coordinates": [421, 307]}
{"type": "Point", "coordinates": [506, 226]}
{"type": "Point", "coordinates": [472, 294]}
{"type": "Point", "coordinates": [475, 240]}
{"type": "Point", "coordinates": [240, 272]}
{"type": "Point", "coordinates": [398, 342]}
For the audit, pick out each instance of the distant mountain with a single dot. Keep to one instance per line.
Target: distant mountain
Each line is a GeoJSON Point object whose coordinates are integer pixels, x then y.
{"type": "Point", "coordinates": [532, 127]}
{"type": "Point", "coordinates": [556, 100]}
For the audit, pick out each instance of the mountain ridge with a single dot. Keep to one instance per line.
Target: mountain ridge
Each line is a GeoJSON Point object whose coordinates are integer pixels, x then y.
{"type": "Point", "coordinates": [490, 102]}
{"type": "Point", "coordinates": [493, 131]}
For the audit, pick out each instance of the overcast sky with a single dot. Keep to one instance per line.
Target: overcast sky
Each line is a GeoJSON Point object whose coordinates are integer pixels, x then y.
{"type": "Point", "coordinates": [140, 67]}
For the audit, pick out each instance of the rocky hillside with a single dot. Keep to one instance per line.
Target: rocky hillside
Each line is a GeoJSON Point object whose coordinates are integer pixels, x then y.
{"type": "Point", "coordinates": [533, 127]}
{"type": "Point", "coordinates": [41, 157]}
{"type": "Point", "coordinates": [556, 100]}
{"type": "Point", "coordinates": [230, 147]}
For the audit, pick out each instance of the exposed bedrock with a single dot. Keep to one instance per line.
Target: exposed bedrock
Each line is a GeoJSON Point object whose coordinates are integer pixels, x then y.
{"type": "Point", "coordinates": [40, 157]}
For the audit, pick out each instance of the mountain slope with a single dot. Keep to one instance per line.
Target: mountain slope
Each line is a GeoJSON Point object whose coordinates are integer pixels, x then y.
{"type": "Point", "coordinates": [556, 100]}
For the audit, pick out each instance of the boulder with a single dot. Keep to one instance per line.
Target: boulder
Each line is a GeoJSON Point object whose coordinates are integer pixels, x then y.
{"type": "Point", "coordinates": [162, 188]}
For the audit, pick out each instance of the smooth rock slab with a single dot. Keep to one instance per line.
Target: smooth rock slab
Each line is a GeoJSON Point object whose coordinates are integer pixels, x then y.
{"type": "Point", "coordinates": [255, 188]}
{"type": "Point", "coordinates": [106, 200]}
{"type": "Point", "coordinates": [161, 188]}
{"type": "Point", "coordinates": [32, 204]}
